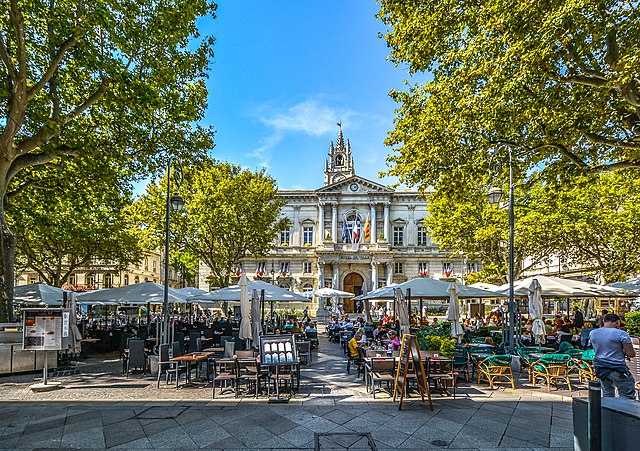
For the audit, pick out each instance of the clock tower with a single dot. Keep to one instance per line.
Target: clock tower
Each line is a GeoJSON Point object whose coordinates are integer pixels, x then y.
{"type": "Point", "coordinates": [339, 165]}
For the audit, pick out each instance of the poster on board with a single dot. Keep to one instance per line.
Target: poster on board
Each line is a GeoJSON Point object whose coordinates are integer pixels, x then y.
{"type": "Point", "coordinates": [43, 329]}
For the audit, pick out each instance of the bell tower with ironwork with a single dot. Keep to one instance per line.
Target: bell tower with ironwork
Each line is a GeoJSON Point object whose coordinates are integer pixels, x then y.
{"type": "Point", "coordinates": [339, 165]}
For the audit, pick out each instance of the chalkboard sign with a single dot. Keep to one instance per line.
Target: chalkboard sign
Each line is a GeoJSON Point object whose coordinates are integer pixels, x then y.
{"type": "Point", "coordinates": [409, 352]}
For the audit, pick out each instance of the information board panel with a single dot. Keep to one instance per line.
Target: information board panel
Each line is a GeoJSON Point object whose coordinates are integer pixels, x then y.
{"type": "Point", "coordinates": [278, 350]}
{"type": "Point", "coordinates": [43, 329]}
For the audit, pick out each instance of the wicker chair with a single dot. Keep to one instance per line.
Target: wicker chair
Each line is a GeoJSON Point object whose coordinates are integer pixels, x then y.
{"type": "Point", "coordinates": [552, 368]}
{"type": "Point", "coordinates": [496, 370]}
{"type": "Point", "coordinates": [525, 362]}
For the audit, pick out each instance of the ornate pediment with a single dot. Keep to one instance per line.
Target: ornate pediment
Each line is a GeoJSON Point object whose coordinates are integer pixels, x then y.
{"type": "Point", "coordinates": [355, 185]}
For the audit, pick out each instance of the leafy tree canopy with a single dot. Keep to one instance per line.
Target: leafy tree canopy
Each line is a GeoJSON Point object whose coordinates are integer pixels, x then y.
{"type": "Point", "coordinates": [560, 79]}
{"type": "Point", "coordinates": [116, 79]}
{"type": "Point", "coordinates": [59, 229]}
{"type": "Point", "coordinates": [230, 213]}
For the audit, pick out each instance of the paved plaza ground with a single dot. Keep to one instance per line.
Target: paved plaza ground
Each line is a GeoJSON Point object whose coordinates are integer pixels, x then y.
{"type": "Point", "coordinates": [99, 408]}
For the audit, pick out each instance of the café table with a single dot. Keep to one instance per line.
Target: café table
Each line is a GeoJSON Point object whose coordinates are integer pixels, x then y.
{"type": "Point", "coordinates": [192, 357]}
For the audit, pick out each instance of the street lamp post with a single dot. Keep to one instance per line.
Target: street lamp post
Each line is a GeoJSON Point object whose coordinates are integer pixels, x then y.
{"type": "Point", "coordinates": [175, 203]}
{"type": "Point", "coordinates": [495, 195]}
{"type": "Point", "coordinates": [273, 282]}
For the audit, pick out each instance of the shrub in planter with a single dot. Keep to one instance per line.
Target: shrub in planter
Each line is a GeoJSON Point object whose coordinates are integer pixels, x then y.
{"type": "Point", "coordinates": [632, 322]}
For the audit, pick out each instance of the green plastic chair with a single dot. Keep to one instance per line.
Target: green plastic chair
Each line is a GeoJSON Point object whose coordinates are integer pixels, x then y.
{"type": "Point", "coordinates": [461, 361]}
{"type": "Point", "coordinates": [496, 370]}
{"type": "Point", "coordinates": [552, 368]}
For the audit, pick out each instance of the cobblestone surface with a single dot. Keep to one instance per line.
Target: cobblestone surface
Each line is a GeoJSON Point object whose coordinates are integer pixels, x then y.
{"type": "Point", "coordinates": [100, 408]}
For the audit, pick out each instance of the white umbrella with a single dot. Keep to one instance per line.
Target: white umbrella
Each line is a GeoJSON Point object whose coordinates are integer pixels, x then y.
{"type": "Point", "coordinates": [138, 293]}
{"type": "Point", "coordinates": [74, 333]}
{"type": "Point", "coordinates": [272, 293]}
{"type": "Point", "coordinates": [190, 291]}
{"type": "Point", "coordinates": [453, 313]}
{"type": "Point", "coordinates": [402, 311]}
{"type": "Point", "coordinates": [562, 288]}
{"type": "Point", "coordinates": [255, 318]}
{"type": "Point", "coordinates": [245, 309]}
{"type": "Point", "coordinates": [367, 304]}
{"type": "Point", "coordinates": [330, 293]}
{"type": "Point", "coordinates": [38, 294]}
{"type": "Point", "coordinates": [535, 311]}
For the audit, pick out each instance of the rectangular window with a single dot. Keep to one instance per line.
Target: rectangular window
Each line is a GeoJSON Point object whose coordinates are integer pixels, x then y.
{"type": "Point", "coordinates": [447, 268]}
{"type": "Point", "coordinates": [473, 267]}
{"type": "Point", "coordinates": [423, 269]}
{"type": "Point", "coordinates": [307, 235]}
{"type": "Point", "coordinates": [306, 268]}
{"type": "Point", "coordinates": [423, 238]}
{"type": "Point", "coordinates": [285, 236]}
{"type": "Point", "coordinates": [328, 283]}
{"type": "Point", "coordinates": [397, 268]}
{"type": "Point", "coordinates": [284, 268]}
{"type": "Point", "coordinates": [398, 236]}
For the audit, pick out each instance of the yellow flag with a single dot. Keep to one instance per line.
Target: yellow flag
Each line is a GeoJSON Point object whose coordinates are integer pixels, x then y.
{"type": "Point", "coordinates": [367, 230]}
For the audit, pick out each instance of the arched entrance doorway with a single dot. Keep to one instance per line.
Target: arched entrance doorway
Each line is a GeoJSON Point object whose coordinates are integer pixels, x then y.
{"type": "Point", "coordinates": [353, 284]}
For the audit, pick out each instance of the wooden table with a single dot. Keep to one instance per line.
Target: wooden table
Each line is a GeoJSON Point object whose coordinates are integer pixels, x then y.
{"type": "Point", "coordinates": [190, 358]}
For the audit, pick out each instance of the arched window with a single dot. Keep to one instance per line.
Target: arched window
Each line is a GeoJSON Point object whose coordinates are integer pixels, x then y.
{"type": "Point", "coordinates": [73, 279]}
{"type": "Point", "coordinates": [136, 280]}
{"type": "Point", "coordinates": [126, 279]}
{"type": "Point", "coordinates": [339, 160]}
{"type": "Point", "coordinates": [90, 279]}
{"type": "Point", "coordinates": [284, 285]}
{"type": "Point", "coordinates": [108, 280]}
{"type": "Point", "coordinates": [307, 287]}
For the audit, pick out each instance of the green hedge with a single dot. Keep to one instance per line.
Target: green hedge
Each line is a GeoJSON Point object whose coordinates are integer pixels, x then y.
{"type": "Point", "coordinates": [632, 322]}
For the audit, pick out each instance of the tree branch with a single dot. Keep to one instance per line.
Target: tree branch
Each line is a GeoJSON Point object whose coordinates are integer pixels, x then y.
{"type": "Point", "coordinates": [18, 24]}
{"type": "Point", "coordinates": [55, 62]}
{"type": "Point", "coordinates": [593, 81]}
{"type": "Point", "coordinates": [24, 186]}
{"type": "Point", "coordinates": [598, 139]}
{"type": "Point", "coordinates": [28, 160]}
{"type": "Point", "coordinates": [48, 131]}
{"type": "Point", "coordinates": [4, 56]}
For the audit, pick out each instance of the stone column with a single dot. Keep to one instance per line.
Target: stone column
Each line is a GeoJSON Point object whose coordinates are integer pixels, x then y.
{"type": "Point", "coordinates": [334, 222]}
{"type": "Point", "coordinates": [410, 239]}
{"type": "Point", "coordinates": [320, 222]}
{"type": "Point", "coordinates": [336, 275]}
{"type": "Point", "coordinates": [386, 221]}
{"type": "Point", "coordinates": [389, 273]}
{"type": "Point", "coordinates": [296, 233]}
{"type": "Point", "coordinates": [374, 233]}
{"type": "Point", "coordinates": [374, 275]}
{"type": "Point", "coordinates": [320, 273]}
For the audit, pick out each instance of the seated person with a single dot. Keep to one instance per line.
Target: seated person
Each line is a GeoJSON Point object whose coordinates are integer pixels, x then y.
{"type": "Point", "coordinates": [311, 327]}
{"type": "Point", "coordinates": [435, 322]}
{"type": "Point", "coordinates": [393, 344]}
{"type": "Point", "coordinates": [353, 344]}
{"type": "Point", "coordinates": [288, 325]}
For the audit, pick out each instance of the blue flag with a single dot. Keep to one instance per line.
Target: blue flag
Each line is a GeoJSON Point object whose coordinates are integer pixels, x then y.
{"type": "Point", "coordinates": [345, 231]}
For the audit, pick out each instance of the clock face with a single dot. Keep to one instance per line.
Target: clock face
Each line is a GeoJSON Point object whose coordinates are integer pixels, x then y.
{"type": "Point", "coordinates": [353, 187]}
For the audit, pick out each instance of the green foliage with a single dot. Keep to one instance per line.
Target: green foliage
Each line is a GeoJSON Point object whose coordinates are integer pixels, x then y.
{"type": "Point", "coordinates": [559, 79]}
{"type": "Point", "coordinates": [230, 213]}
{"type": "Point", "coordinates": [59, 230]}
{"type": "Point", "coordinates": [558, 85]}
{"type": "Point", "coordinates": [632, 323]}
{"type": "Point", "coordinates": [114, 80]}
{"type": "Point", "coordinates": [436, 338]}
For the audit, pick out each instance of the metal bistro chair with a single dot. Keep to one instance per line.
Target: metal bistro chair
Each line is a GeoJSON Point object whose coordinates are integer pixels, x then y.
{"type": "Point", "coordinates": [304, 351]}
{"type": "Point", "coordinates": [312, 337]}
{"type": "Point", "coordinates": [225, 371]}
{"type": "Point", "coordinates": [442, 374]}
{"type": "Point", "coordinates": [248, 371]}
{"type": "Point", "coordinates": [382, 370]}
{"type": "Point", "coordinates": [137, 358]}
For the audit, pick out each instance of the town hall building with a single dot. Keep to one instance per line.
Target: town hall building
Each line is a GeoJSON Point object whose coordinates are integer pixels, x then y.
{"type": "Point", "coordinates": [351, 234]}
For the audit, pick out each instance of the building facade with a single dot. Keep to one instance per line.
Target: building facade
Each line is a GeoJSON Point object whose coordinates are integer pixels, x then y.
{"type": "Point", "coordinates": [104, 274]}
{"type": "Point", "coordinates": [351, 234]}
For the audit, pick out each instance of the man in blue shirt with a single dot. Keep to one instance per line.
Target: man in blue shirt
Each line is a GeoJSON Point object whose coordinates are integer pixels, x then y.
{"type": "Point", "coordinates": [612, 346]}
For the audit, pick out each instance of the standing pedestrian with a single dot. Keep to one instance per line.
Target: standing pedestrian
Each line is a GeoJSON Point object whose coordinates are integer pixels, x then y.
{"type": "Point", "coordinates": [578, 319]}
{"type": "Point", "coordinates": [612, 346]}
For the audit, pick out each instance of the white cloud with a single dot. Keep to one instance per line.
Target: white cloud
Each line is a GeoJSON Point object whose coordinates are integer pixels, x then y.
{"type": "Point", "coordinates": [310, 117]}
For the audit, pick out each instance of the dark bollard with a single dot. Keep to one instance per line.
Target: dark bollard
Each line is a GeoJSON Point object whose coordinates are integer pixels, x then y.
{"type": "Point", "coordinates": [595, 416]}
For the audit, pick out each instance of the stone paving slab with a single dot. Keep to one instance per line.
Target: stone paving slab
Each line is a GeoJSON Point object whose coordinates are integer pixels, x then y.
{"type": "Point", "coordinates": [100, 409]}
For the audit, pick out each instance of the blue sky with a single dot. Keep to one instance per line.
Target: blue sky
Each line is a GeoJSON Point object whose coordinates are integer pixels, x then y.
{"type": "Point", "coordinates": [284, 73]}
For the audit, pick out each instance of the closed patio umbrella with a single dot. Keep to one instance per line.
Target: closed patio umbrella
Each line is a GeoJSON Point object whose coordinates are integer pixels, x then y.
{"type": "Point", "coordinates": [255, 318]}
{"type": "Point", "coordinates": [245, 309]}
{"type": "Point", "coordinates": [403, 311]}
{"type": "Point", "coordinates": [535, 311]}
{"type": "Point", "coordinates": [367, 304]}
{"type": "Point", "coordinates": [74, 333]}
{"type": "Point", "coordinates": [453, 313]}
